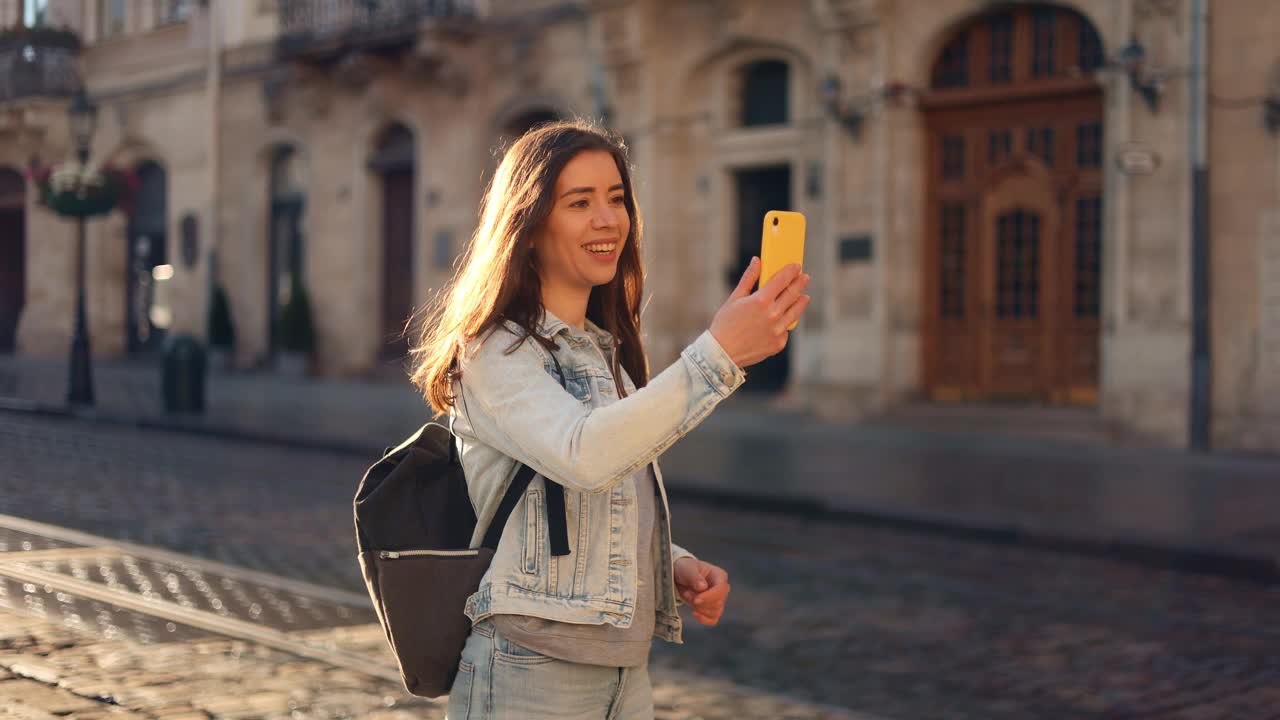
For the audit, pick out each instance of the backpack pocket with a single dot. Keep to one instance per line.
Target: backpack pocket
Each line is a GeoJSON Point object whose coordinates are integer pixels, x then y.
{"type": "Point", "coordinates": [419, 596]}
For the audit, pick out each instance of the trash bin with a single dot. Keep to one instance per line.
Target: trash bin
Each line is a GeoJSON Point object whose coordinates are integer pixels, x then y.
{"type": "Point", "coordinates": [184, 368]}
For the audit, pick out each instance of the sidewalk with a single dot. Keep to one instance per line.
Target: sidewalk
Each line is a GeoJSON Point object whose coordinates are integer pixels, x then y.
{"type": "Point", "coordinates": [1209, 513]}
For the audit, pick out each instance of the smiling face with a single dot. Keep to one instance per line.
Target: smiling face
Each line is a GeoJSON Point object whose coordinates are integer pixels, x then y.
{"type": "Point", "coordinates": [583, 237]}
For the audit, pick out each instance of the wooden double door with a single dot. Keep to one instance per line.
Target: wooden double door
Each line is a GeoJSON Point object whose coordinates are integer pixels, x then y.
{"type": "Point", "coordinates": [1013, 252]}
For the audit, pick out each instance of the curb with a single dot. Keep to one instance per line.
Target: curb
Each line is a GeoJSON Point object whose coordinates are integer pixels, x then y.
{"type": "Point", "coordinates": [1232, 563]}
{"type": "Point", "coordinates": [192, 427]}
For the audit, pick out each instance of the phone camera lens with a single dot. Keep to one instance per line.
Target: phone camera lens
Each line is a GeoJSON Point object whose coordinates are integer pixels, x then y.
{"type": "Point", "coordinates": [775, 222]}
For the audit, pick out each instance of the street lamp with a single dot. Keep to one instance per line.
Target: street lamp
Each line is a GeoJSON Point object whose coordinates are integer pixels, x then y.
{"type": "Point", "coordinates": [83, 116]}
{"type": "Point", "coordinates": [1133, 59]}
{"type": "Point", "coordinates": [850, 115]}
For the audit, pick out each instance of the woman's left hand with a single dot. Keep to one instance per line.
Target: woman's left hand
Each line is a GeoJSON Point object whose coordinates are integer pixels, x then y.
{"type": "Point", "coordinates": [704, 587]}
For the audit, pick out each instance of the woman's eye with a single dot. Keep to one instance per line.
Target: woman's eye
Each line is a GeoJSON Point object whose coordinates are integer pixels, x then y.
{"type": "Point", "coordinates": [578, 203]}
{"type": "Point", "coordinates": [617, 200]}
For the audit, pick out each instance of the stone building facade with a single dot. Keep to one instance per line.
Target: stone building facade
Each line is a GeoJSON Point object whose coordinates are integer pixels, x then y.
{"type": "Point", "coordinates": [1001, 196]}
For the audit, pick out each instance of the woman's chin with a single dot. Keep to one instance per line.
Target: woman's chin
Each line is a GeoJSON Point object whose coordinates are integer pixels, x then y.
{"type": "Point", "coordinates": [599, 278]}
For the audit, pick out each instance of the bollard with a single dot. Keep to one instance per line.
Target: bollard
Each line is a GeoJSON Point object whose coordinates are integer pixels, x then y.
{"type": "Point", "coordinates": [184, 372]}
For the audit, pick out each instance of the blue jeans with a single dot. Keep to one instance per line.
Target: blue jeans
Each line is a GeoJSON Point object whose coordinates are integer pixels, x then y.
{"type": "Point", "coordinates": [499, 680]}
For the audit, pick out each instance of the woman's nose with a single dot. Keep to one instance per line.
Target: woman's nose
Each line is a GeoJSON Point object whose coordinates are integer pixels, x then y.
{"type": "Point", "coordinates": [603, 217]}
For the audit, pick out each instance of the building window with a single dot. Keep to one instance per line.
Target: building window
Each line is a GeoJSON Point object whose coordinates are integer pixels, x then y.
{"type": "Point", "coordinates": [1018, 265]}
{"type": "Point", "coordinates": [764, 93]}
{"type": "Point", "coordinates": [169, 12]}
{"type": "Point", "coordinates": [1088, 290]}
{"type": "Point", "coordinates": [111, 18]}
{"type": "Point", "coordinates": [1089, 145]}
{"type": "Point", "coordinates": [1040, 144]}
{"type": "Point", "coordinates": [953, 157]}
{"type": "Point", "coordinates": [1015, 44]}
{"type": "Point", "coordinates": [952, 70]}
{"type": "Point", "coordinates": [951, 278]}
{"type": "Point", "coordinates": [1001, 69]}
{"type": "Point", "coordinates": [1045, 47]}
{"type": "Point", "coordinates": [1090, 47]}
{"type": "Point", "coordinates": [999, 146]}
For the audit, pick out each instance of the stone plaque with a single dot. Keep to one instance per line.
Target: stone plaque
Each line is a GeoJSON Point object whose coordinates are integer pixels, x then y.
{"type": "Point", "coordinates": [1136, 159]}
{"type": "Point", "coordinates": [855, 248]}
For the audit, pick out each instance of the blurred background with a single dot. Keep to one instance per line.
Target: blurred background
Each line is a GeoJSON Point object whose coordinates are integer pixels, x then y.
{"type": "Point", "coordinates": [1018, 460]}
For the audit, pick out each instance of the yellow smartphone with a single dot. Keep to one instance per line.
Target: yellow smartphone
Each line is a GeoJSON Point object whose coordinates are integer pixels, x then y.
{"type": "Point", "coordinates": [781, 243]}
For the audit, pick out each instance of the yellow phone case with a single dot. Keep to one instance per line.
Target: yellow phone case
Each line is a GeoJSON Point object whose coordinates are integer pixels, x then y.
{"type": "Point", "coordinates": [781, 243]}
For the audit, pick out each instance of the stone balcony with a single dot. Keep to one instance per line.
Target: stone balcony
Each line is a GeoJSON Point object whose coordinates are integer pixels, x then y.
{"type": "Point", "coordinates": [38, 62]}
{"type": "Point", "coordinates": [325, 31]}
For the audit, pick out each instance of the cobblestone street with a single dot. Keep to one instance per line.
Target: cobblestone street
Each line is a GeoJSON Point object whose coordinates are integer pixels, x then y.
{"type": "Point", "coordinates": [825, 620]}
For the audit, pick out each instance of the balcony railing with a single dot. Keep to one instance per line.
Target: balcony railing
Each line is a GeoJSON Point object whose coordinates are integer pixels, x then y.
{"type": "Point", "coordinates": [38, 62]}
{"type": "Point", "coordinates": [318, 26]}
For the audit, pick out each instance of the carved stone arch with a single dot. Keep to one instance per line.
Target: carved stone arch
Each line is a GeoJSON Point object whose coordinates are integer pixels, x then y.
{"type": "Point", "coordinates": [939, 28]}
{"type": "Point", "coordinates": [710, 83]}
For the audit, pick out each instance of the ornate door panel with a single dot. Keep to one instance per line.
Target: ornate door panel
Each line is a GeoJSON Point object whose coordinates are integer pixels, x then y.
{"type": "Point", "coordinates": [1020, 226]}
{"type": "Point", "coordinates": [1013, 231]}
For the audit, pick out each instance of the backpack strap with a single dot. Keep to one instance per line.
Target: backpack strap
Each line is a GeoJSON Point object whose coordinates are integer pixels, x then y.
{"type": "Point", "coordinates": [557, 522]}
{"type": "Point", "coordinates": [509, 500]}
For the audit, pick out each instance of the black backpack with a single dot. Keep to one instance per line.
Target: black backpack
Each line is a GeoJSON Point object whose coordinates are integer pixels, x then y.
{"type": "Point", "coordinates": [414, 521]}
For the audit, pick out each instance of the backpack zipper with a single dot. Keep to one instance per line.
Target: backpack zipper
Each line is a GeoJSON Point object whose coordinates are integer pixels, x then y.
{"type": "Point", "coordinates": [393, 554]}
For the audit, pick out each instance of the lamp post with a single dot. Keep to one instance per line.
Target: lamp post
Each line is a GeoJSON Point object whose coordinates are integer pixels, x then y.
{"type": "Point", "coordinates": [83, 119]}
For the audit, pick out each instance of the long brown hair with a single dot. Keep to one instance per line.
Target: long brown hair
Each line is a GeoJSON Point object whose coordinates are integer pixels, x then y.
{"type": "Point", "coordinates": [498, 279]}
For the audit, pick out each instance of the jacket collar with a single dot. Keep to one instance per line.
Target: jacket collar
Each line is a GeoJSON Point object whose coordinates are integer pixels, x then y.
{"type": "Point", "coordinates": [550, 326]}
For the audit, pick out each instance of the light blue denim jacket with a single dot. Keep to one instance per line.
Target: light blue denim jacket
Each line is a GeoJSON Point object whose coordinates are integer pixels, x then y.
{"type": "Point", "coordinates": [583, 437]}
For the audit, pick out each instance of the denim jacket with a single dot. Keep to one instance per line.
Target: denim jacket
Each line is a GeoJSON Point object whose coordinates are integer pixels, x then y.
{"type": "Point", "coordinates": [583, 437]}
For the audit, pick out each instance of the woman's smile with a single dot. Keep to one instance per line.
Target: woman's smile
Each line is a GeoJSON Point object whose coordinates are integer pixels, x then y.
{"type": "Point", "coordinates": [605, 251]}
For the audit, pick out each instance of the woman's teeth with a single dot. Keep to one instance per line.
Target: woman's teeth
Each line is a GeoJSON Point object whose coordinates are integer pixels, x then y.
{"type": "Point", "coordinates": [602, 249]}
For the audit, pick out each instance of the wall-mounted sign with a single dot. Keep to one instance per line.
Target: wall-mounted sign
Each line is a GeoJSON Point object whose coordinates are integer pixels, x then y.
{"type": "Point", "coordinates": [1136, 159]}
{"type": "Point", "coordinates": [855, 248]}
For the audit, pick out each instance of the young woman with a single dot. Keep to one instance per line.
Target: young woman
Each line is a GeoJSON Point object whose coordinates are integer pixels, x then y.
{"type": "Point", "coordinates": [535, 353]}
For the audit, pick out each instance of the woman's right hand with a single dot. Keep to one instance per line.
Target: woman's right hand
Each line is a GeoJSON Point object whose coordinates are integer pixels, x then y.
{"type": "Point", "coordinates": [752, 326]}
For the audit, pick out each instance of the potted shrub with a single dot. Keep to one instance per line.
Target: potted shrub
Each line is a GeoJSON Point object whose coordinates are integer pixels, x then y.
{"type": "Point", "coordinates": [297, 334]}
{"type": "Point", "coordinates": [222, 333]}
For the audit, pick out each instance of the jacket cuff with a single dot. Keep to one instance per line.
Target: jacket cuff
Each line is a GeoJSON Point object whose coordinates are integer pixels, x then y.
{"type": "Point", "coordinates": [678, 552]}
{"type": "Point", "coordinates": [715, 364]}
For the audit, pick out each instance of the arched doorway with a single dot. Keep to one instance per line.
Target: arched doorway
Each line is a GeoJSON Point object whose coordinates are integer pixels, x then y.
{"type": "Point", "coordinates": [285, 236]}
{"type": "Point", "coordinates": [148, 247]}
{"type": "Point", "coordinates": [763, 90]}
{"type": "Point", "coordinates": [394, 161]}
{"type": "Point", "coordinates": [1013, 247]}
{"type": "Point", "coordinates": [757, 191]}
{"type": "Point", "coordinates": [13, 255]}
